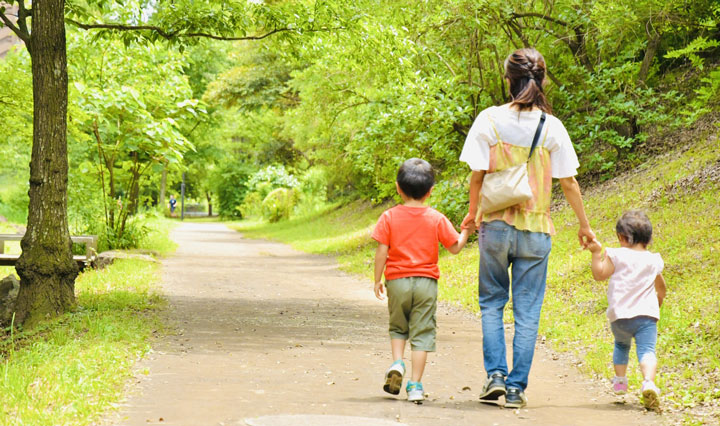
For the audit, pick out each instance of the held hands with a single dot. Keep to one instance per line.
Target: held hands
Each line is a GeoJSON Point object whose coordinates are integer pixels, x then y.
{"type": "Point", "coordinates": [594, 246]}
{"type": "Point", "coordinates": [586, 236]}
{"type": "Point", "coordinates": [468, 221]}
{"type": "Point", "coordinates": [380, 290]}
{"type": "Point", "coordinates": [469, 227]}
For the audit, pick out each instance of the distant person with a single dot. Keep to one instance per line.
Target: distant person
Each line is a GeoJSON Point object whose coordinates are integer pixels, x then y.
{"type": "Point", "coordinates": [518, 237]}
{"type": "Point", "coordinates": [407, 252]}
{"type": "Point", "coordinates": [173, 203]}
{"type": "Point", "coordinates": [635, 294]}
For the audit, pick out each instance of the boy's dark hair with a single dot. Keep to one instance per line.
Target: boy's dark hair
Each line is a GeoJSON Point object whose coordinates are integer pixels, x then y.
{"type": "Point", "coordinates": [416, 178]}
{"type": "Point", "coordinates": [635, 226]}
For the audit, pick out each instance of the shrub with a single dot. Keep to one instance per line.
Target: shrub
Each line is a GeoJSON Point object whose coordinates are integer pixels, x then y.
{"type": "Point", "coordinates": [252, 205]}
{"type": "Point", "coordinates": [232, 186]}
{"type": "Point", "coordinates": [278, 204]}
{"type": "Point", "coordinates": [450, 198]}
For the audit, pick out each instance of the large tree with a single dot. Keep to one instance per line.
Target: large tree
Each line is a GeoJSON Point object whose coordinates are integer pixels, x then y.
{"type": "Point", "coordinates": [46, 268]}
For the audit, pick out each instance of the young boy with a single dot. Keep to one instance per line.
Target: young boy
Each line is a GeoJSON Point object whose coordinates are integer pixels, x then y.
{"type": "Point", "coordinates": [407, 251]}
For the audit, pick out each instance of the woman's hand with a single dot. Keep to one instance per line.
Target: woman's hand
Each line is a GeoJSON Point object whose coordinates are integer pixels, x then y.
{"type": "Point", "coordinates": [572, 194]}
{"type": "Point", "coordinates": [468, 222]}
{"type": "Point", "coordinates": [586, 236]}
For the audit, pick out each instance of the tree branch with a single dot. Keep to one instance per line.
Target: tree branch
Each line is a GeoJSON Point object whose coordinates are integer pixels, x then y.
{"type": "Point", "coordinates": [24, 36]}
{"type": "Point", "coordinates": [174, 34]}
{"type": "Point", "coordinates": [23, 14]}
{"type": "Point", "coordinates": [540, 15]}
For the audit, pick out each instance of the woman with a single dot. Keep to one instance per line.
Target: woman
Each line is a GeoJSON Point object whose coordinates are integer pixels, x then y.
{"type": "Point", "coordinates": [518, 237]}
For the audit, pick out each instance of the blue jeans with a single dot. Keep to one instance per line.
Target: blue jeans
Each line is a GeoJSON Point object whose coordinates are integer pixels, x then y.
{"type": "Point", "coordinates": [644, 330]}
{"type": "Point", "coordinates": [501, 247]}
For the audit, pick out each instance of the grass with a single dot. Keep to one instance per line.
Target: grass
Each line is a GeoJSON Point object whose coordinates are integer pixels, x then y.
{"type": "Point", "coordinates": [71, 370]}
{"type": "Point", "coordinates": [158, 236]}
{"type": "Point", "coordinates": [687, 234]}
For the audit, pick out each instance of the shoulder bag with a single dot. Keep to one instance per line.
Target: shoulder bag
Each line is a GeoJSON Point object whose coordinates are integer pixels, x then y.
{"type": "Point", "coordinates": [511, 186]}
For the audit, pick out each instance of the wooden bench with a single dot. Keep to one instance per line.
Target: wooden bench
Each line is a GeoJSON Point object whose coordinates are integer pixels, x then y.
{"type": "Point", "coordinates": [90, 242]}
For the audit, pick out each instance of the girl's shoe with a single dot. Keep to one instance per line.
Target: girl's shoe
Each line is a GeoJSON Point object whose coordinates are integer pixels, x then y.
{"type": "Point", "coordinates": [651, 396]}
{"type": "Point", "coordinates": [415, 392]}
{"type": "Point", "coordinates": [394, 377]}
{"type": "Point", "coordinates": [619, 385]}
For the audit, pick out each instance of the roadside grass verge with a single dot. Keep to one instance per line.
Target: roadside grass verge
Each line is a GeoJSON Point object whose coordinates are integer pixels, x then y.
{"type": "Point", "coordinates": [682, 202]}
{"type": "Point", "coordinates": [72, 370]}
{"type": "Point", "coordinates": [158, 237]}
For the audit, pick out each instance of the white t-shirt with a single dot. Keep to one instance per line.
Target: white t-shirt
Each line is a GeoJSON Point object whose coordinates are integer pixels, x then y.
{"type": "Point", "coordinates": [631, 290]}
{"type": "Point", "coordinates": [518, 128]}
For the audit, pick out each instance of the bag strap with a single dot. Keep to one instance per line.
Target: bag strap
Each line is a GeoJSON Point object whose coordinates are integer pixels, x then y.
{"type": "Point", "coordinates": [537, 134]}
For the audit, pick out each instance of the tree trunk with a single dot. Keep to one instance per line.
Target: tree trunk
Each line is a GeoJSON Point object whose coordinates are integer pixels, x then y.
{"type": "Point", "coordinates": [208, 195]}
{"type": "Point", "coordinates": [134, 190]}
{"type": "Point", "coordinates": [652, 47]}
{"type": "Point", "coordinates": [163, 183]}
{"type": "Point", "coordinates": [46, 267]}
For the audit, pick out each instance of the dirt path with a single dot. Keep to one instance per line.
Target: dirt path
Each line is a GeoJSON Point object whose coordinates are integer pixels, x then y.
{"type": "Point", "coordinates": [264, 330]}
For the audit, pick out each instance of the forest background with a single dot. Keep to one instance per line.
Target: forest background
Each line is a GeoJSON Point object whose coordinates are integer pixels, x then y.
{"type": "Point", "coordinates": [321, 112]}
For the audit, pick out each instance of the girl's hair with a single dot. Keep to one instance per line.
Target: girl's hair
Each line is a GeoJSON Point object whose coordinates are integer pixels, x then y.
{"type": "Point", "coordinates": [635, 226]}
{"type": "Point", "coordinates": [525, 68]}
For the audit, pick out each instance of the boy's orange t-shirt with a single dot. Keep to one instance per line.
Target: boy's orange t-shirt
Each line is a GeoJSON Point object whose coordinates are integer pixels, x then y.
{"type": "Point", "coordinates": [412, 235]}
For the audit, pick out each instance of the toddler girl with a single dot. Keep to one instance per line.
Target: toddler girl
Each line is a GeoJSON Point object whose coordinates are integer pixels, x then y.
{"type": "Point", "coordinates": [635, 293]}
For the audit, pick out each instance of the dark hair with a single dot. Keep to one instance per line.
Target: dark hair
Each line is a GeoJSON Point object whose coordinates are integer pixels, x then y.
{"type": "Point", "coordinates": [635, 226]}
{"type": "Point", "coordinates": [525, 68]}
{"type": "Point", "coordinates": [416, 178]}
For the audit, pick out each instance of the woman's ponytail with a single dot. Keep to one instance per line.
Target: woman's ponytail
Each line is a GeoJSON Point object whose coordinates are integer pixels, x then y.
{"type": "Point", "coordinates": [525, 70]}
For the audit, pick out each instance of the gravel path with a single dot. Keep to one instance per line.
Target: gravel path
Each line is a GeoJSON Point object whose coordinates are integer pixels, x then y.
{"type": "Point", "coordinates": [266, 335]}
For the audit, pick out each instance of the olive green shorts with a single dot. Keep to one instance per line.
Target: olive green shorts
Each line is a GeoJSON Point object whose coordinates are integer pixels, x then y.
{"type": "Point", "coordinates": [412, 303]}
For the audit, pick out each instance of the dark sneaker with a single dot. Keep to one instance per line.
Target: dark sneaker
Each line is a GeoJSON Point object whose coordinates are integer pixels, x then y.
{"type": "Point", "coordinates": [494, 388]}
{"type": "Point", "coordinates": [515, 398]}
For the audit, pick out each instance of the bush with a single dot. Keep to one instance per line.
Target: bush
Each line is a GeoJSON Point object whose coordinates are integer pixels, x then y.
{"type": "Point", "coordinates": [266, 180]}
{"type": "Point", "coordinates": [450, 198]}
{"type": "Point", "coordinates": [14, 204]}
{"type": "Point", "coordinates": [134, 233]}
{"type": "Point", "coordinates": [278, 204]}
{"type": "Point", "coordinates": [232, 186]}
{"type": "Point", "coordinates": [252, 205]}
{"type": "Point", "coordinates": [313, 190]}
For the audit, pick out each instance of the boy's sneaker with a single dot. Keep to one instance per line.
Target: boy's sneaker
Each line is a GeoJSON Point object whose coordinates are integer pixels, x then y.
{"type": "Point", "coordinates": [515, 398]}
{"type": "Point", "coordinates": [394, 377]}
{"type": "Point", "coordinates": [415, 392]}
{"type": "Point", "coordinates": [651, 396]}
{"type": "Point", "coordinates": [494, 388]}
{"type": "Point", "coordinates": [619, 385]}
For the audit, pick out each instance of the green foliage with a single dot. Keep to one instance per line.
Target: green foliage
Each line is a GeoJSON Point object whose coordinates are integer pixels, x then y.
{"type": "Point", "coordinates": [14, 202]}
{"type": "Point", "coordinates": [708, 96]}
{"type": "Point", "coordinates": [233, 186]}
{"type": "Point", "coordinates": [624, 114]}
{"type": "Point", "coordinates": [278, 204]}
{"type": "Point", "coordinates": [132, 234]}
{"type": "Point", "coordinates": [407, 79]}
{"type": "Point", "coordinates": [130, 126]}
{"type": "Point", "coordinates": [450, 197]}
{"type": "Point", "coordinates": [692, 51]}
{"type": "Point", "coordinates": [268, 179]}
{"type": "Point", "coordinates": [251, 205]}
